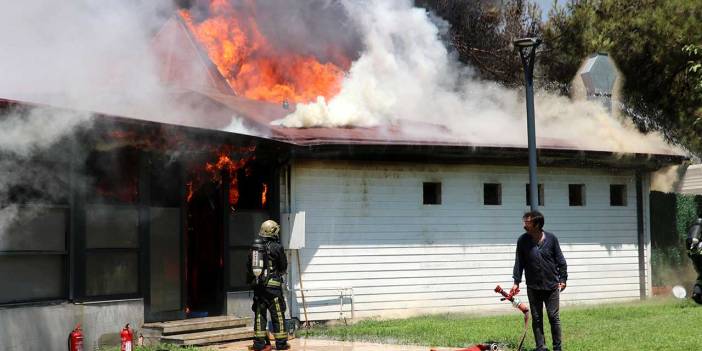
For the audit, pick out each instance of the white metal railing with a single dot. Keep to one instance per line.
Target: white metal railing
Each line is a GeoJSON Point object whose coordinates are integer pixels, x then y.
{"type": "Point", "coordinates": [344, 292]}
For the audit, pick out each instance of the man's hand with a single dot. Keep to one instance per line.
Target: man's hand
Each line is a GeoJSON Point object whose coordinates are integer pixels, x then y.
{"type": "Point", "coordinates": [561, 286]}
{"type": "Point", "coordinates": [514, 289]}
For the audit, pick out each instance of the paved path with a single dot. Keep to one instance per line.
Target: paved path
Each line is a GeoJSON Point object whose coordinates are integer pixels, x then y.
{"type": "Point", "coordinates": [303, 344]}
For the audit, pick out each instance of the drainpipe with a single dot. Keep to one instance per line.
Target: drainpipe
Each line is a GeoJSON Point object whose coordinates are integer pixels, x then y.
{"type": "Point", "coordinates": [283, 171]}
{"type": "Point", "coordinates": [641, 240]}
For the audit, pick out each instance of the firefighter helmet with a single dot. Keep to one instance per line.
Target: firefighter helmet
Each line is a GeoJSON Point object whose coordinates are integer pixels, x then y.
{"type": "Point", "coordinates": [269, 229]}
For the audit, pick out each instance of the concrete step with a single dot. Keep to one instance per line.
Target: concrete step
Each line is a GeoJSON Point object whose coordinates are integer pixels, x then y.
{"type": "Point", "coordinates": [197, 324]}
{"type": "Point", "coordinates": [209, 337]}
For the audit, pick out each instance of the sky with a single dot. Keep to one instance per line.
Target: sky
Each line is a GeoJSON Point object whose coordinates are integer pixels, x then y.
{"type": "Point", "coordinates": [546, 6]}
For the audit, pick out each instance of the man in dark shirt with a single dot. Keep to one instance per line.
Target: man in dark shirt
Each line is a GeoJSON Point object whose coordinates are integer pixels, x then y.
{"type": "Point", "coordinates": [540, 256]}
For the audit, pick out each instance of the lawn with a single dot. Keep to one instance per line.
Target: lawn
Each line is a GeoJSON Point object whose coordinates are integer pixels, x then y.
{"type": "Point", "coordinates": [657, 324]}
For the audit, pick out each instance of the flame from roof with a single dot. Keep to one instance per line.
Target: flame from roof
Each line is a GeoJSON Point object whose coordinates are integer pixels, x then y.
{"type": "Point", "coordinates": [251, 65]}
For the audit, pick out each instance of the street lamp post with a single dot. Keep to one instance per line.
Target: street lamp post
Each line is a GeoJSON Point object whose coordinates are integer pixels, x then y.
{"type": "Point", "coordinates": [527, 50]}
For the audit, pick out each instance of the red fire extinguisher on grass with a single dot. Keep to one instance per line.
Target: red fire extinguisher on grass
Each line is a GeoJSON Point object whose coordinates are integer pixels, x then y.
{"type": "Point", "coordinates": [75, 339]}
{"type": "Point", "coordinates": [127, 338]}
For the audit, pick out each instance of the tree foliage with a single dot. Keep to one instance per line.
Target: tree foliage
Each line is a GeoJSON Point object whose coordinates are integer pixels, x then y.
{"type": "Point", "coordinates": [694, 71]}
{"type": "Point", "coordinates": [656, 45]}
{"type": "Point", "coordinates": [482, 33]}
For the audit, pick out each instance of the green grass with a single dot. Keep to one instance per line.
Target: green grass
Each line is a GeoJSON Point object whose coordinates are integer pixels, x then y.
{"type": "Point", "coordinates": [651, 325]}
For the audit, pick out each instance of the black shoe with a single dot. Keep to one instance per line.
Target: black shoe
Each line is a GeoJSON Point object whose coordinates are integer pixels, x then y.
{"type": "Point", "coordinates": [283, 347]}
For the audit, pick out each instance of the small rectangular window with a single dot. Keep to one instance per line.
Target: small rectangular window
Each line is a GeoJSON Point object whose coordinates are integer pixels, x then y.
{"type": "Point", "coordinates": [617, 195]}
{"type": "Point", "coordinates": [432, 193]}
{"type": "Point", "coordinates": [492, 194]}
{"type": "Point", "coordinates": [541, 194]}
{"type": "Point", "coordinates": [576, 194]}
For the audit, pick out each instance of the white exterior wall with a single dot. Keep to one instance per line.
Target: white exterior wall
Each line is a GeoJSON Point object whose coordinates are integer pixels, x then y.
{"type": "Point", "coordinates": [367, 229]}
{"type": "Point", "coordinates": [692, 181]}
{"type": "Point", "coordinates": [45, 327]}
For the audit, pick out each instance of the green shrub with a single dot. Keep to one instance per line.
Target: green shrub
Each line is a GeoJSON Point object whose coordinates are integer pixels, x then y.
{"type": "Point", "coordinates": [671, 216]}
{"type": "Point", "coordinates": [686, 213]}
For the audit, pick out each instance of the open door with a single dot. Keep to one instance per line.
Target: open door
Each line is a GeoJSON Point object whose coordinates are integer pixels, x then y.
{"type": "Point", "coordinates": [205, 252]}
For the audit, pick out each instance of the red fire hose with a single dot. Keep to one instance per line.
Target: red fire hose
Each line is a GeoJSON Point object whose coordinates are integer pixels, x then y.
{"type": "Point", "coordinates": [518, 305]}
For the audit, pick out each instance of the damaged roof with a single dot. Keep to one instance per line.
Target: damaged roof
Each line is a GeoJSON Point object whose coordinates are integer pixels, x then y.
{"type": "Point", "coordinates": [211, 103]}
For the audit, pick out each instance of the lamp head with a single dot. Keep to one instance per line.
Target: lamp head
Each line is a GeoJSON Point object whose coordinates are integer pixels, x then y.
{"type": "Point", "coordinates": [526, 42]}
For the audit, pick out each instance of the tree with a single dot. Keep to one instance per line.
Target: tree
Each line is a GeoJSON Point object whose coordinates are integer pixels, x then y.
{"type": "Point", "coordinates": [694, 71]}
{"type": "Point", "coordinates": [482, 33]}
{"type": "Point", "coordinates": [646, 38]}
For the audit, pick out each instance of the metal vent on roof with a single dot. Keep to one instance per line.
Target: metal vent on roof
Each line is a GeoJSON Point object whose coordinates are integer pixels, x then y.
{"type": "Point", "coordinates": [599, 75]}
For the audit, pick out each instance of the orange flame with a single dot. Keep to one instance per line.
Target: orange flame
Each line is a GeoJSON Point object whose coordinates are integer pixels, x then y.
{"type": "Point", "coordinates": [189, 191]}
{"type": "Point", "coordinates": [264, 194]}
{"type": "Point", "coordinates": [225, 163]}
{"type": "Point", "coordinates": [252, 66]}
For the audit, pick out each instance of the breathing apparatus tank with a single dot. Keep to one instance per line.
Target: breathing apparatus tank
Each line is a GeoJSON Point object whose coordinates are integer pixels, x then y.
{"type": "Point", "coordinates": [258, 253]}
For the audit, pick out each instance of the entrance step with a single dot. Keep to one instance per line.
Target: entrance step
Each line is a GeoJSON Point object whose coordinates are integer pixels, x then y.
{"type": "Point", "coordinates": [198, 331]}
{"type": "Point", "coordinates": [209, 337]}
{"type": "Point", "coordinates": [198, 324]}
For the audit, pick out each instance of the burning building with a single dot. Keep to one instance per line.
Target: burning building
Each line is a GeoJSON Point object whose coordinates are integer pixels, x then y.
{"type": "Point", "coordinates": [151, 211]}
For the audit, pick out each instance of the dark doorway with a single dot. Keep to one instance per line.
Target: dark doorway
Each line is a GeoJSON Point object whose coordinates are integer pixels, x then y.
{"type": "Point", "coordinates": [204, 251]}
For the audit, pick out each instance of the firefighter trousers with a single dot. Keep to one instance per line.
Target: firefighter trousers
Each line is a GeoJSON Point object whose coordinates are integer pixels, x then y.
{"type": "Point", "coordinates": [697, 288]}
{"type": "Point", "coordinates": [269, 300]}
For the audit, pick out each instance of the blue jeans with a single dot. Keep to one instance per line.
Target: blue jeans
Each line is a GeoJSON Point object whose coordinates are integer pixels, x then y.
{"type": "Point", "coordinates": [550, 298]}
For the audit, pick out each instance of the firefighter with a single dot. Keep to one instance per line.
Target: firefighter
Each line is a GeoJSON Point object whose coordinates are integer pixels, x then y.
{"type": "Point", "coordinates": [694, 251]}
{"type": "Point", "coordinates": [267, 265]}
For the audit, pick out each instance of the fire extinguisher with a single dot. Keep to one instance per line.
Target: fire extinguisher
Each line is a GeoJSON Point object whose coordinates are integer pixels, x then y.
{"type": "Point", "coordinates": [127, 338]}
{"type": "Point", "coordinates": [75, 339]}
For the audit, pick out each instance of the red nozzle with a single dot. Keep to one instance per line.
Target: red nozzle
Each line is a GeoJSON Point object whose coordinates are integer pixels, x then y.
{"type": "Point", "coordinates": [508, 296]}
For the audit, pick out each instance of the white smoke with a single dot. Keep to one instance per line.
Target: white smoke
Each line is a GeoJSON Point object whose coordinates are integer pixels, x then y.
{"type": "Point", "coordinates": [99, 56]}
{"type": "Point", "coordinates": [405, 72]}
{"type": "Point", "coordinates": [82, 55]}
{"type": "Point", "coordinates": [27, 133]}
{"type": "Point", "coordinates": [34, 159]}
{"type": "Point", "coordinates": [77, 53]}
{"type": "Point", "coordinates": [239, 126]}
{"type": "Point", "coordinates": [31, 135]}
{"type": "Point", "coordinates": [667, 179]}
